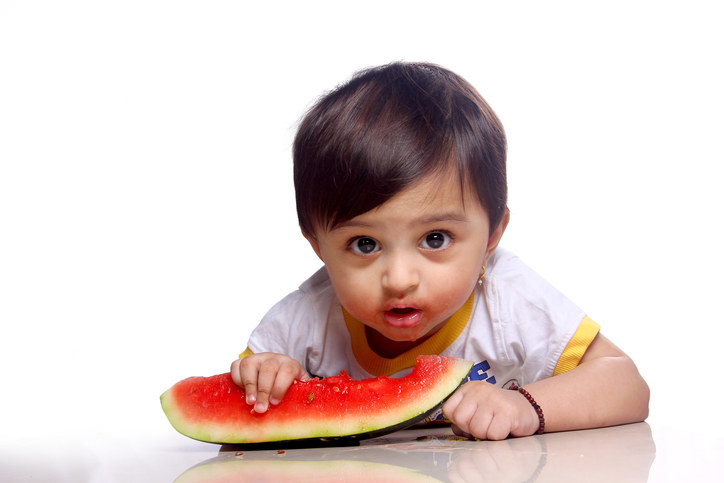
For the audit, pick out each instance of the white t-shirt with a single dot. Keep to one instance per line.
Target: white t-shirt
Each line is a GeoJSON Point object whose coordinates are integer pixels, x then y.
{"type": "Point", "coordinates": [516, 327]}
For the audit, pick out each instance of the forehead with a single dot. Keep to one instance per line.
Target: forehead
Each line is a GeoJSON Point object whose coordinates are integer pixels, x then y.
{"type": "Point", "coordinates": [435, 198]}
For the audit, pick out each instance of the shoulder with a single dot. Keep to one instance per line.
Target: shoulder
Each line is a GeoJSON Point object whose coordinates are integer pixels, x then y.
{"type": "Point", "coordinates": [308, 326]}
{"type": "Point", "coordinates": [297, 312]}
{"type": "Point", "coordinates": [511, 282]}
{"type": "Point", "coordinates": [317, 284]}
{"type": "Point", "coordinates": [505, 267]}
{"type": "Point", "coordinates": [532, 320]}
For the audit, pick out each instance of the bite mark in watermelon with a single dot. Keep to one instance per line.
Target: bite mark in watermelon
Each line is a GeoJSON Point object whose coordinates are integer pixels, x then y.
{"type": "Point", "coordinates": [214, 409]}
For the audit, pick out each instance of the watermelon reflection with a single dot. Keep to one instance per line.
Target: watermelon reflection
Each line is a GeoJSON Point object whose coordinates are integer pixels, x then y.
{"type": "Point", "coordinates": [435, 454]}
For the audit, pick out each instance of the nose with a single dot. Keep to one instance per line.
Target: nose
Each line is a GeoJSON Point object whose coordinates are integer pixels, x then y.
{"type": "Point", "coordinates": [400, 274]}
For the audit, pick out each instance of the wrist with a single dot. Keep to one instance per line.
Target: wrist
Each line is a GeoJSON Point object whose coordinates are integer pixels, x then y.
{"type": "Point", "coordinates": [540, 418]}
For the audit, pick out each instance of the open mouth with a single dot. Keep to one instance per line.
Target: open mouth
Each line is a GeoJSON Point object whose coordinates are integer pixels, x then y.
{"type": "Point", "coordinates": [403, 317]}
{"type": "Point", "coordinates": [403, 311]}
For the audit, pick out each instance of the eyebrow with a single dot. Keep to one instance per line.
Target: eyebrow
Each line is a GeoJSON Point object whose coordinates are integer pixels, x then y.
{"type": "Point", "coordinates": [452, 216]}
{"type": "Point", "coordinates": [436, 218]}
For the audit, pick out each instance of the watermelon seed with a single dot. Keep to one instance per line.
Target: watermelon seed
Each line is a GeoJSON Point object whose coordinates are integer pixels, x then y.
{"type": "Point", "coordinates": [310, 397]}
{"type": "Point", "coordinates": [335, 389]}
{"type": "Point", "coordinates": [280, 451]}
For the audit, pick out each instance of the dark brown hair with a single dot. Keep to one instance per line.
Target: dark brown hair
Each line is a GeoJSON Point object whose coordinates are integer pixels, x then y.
{"type": "Point", "coordinates": [387, 128]}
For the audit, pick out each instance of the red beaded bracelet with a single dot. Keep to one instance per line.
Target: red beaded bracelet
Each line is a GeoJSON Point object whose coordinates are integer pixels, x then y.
{"type": "Point", "coordinates": [538, 410]}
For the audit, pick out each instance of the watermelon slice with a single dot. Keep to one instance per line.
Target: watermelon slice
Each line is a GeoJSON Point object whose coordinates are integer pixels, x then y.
{"type": "Point", "coordinates": [214, 409]}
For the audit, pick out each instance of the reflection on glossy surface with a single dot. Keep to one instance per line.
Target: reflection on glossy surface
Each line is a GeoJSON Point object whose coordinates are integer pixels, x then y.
{"type": "Point", "coordinates": [623, 453]}
{"type": "Point", "coordinates": [318, 471]}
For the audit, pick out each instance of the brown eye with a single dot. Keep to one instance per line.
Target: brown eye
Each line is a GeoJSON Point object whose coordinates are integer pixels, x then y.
{"type": "Point", "coordinates": [364, 245]}
{"type": "Point", "coordinates": [436, 240]}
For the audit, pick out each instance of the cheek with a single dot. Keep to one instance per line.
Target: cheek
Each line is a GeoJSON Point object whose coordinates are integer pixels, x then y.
{"type": "Point", "coordinates": [452, 292]}
{"type": "Point", "coordinates": [354, 291]}
{"type": "Point", "coordinates": [449, 303]}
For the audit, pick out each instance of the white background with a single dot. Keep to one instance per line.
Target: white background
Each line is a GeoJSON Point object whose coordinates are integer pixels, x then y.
{"type": "Point", "coordinates": [146, 205]}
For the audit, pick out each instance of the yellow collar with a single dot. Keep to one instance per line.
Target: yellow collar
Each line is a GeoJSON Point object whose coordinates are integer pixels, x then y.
{"type": "Point", "coordinates": [381, 366]}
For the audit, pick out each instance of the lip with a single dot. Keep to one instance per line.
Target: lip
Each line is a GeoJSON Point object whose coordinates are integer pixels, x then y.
{"type": "Point", "coordinates": [403, 317]}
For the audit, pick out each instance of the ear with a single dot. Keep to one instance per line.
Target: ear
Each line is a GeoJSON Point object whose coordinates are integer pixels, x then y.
{"type": "Point", "coordinates": [496, 235]}
{"type": "Point", "coordinates": [314, 243]}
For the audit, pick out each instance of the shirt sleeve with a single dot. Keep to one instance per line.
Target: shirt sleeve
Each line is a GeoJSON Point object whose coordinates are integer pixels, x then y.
{"type": "Point", "coordinates": [539, 330]}
{"type": "Point", "coordinates": [297, 326]}
{"type": "Point", "coordinates": [577, 346]}
{"type": "Point", "coordinates": [287, 328]}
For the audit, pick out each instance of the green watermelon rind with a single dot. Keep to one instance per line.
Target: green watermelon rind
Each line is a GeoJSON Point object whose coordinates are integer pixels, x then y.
{"type": "Point", "coordinates": [360, 423]}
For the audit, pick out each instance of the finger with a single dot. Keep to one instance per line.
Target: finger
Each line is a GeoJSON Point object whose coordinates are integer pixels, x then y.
{"type": "Point", "coordinates": [249, 375]}
{"type": "Point", "coordinates": [498, 427]}
{"type": "Point", "coordinates": [288, 372]}
{"type": "Point", "coordinates": [480, 425]}
{"type": "Point", "coordinates": [448, 408]}
{"type": "Point", "coordinates": [303, 376]}
{"type": "Point", "coordinates": [236, 373]}
{"type": "Point", "coordinates": [267, 376]}
{"type": "Point", "coordinates": [463, 414]}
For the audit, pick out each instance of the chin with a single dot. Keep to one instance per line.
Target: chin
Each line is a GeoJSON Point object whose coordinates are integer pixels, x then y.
{"type": "Point", "coordinates": [404, 336]}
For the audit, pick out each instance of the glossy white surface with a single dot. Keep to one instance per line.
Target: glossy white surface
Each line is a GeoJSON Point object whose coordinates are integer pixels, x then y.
{"type": "Point", "coordinates": [630, 453]}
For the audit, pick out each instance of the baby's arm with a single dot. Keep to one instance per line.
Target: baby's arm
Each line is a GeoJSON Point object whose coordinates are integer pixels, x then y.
{"type": "Point", "coordinates": [266, 377]}
{"type": "Point", "coordinates": [604, 390]}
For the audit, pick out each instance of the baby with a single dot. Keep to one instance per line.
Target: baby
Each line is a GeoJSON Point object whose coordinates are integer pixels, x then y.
{"type": "Point", "coordinates": [400, 178]}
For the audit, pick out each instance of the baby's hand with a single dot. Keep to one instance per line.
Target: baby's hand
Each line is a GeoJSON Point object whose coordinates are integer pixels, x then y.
{"type": "Point", "coordinates": [266, 377]}
{"type": "Point", "coordinates": [480, 410]}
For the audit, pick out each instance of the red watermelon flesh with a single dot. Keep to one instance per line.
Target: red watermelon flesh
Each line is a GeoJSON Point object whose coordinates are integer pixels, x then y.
{"type": "Point", "coordinates": [214, 409]}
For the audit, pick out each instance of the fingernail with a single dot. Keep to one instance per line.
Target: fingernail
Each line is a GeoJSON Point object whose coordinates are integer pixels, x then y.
{"type": "Point", "coordinates": [274, 400]}
{"type": "Point", "coordinates": [259, 408]}
{"type": "Point", "coordinates": [250, 400]}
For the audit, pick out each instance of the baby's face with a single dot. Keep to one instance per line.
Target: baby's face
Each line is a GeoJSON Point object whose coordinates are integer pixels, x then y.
{"type": "Point", "coordinates": [406, 266]}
